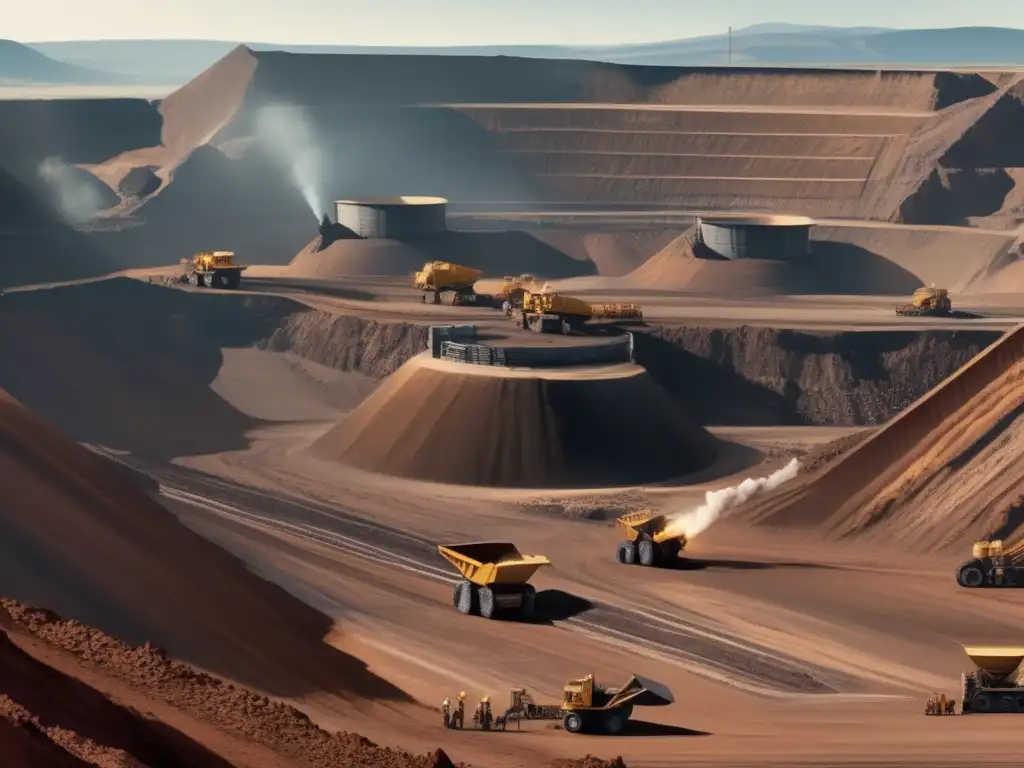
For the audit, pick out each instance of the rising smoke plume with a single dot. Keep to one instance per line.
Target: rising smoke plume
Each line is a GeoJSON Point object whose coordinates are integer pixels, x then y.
{"type": "Point", "coordinates": [695, 521]}
{"type": "Point", "coordinates": [78, 200]}
{"type": "Point", "coordinates": [286, 134]}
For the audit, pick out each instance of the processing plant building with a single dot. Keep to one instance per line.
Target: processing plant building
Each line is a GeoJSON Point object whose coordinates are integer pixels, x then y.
{"type": "Point", "coordinates": [394, 218]}
{"type": "Point", "coordinates": [781, 238]}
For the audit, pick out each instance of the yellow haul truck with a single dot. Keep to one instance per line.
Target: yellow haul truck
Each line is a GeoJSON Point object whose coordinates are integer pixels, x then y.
{"type": "Point", "coordinates": [588, 707]}
{"type": "Point", "coordinates": [647, 540]}
{"type": "Point", "coordinates": [215, 269]}
{"type": "Point", "coordinates": [439, 277]}
{"type": "Point", "coordinates": [495, 576]}
{"type": "Point", "coordinates": [927, 302]}
{"type": "Point", "coordinates": [997, 684]}
{"type": "Point", "coordinates": [993, 565]}
{"type": "Point", "coordinates": [555, 313]}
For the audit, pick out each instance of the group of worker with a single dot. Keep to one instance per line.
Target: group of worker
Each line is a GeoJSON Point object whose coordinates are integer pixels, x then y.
{"type": "Point", "coordinates": [483, 718]}
{"type": "Point", "coordinates": [938, 704]}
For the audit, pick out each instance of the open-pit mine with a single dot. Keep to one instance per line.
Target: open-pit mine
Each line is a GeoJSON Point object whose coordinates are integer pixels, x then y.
{"type": "Point", "coordinates": [358, 398]}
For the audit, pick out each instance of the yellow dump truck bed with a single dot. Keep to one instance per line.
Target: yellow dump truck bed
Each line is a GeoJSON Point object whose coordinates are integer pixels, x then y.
{"type": "Point", "coordinates": [642, 692]}
{"type": "Point", "coordinates": [556, 304]}
{"type": "Point", "coordinates": [209, 260]}
{"type": "Point", "coordinates": [645, 521]}
{"type": "Point", "coordinates": [437, 275]}
{"type": "Point", "coordinates": [492, 562]}
{"type": "Point", "coordinates": [998, 661]}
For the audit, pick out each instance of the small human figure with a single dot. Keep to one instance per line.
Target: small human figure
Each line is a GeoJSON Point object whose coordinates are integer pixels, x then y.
{"type": "Point", "coordinates": [446, 712]}
{"type": "Point", "coordinates": [506, 308]}
{"type": "Point", "coordinates": [460, 711]}
{"type": "Point", "coordinates": [483, 717]}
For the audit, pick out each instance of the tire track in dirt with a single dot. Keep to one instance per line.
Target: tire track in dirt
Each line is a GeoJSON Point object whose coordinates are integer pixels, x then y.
{"type": "Point", "coordinates": [707, 651]}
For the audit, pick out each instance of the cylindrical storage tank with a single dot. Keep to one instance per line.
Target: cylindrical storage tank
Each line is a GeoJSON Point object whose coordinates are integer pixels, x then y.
{"type": "Point", "coordinates": [394, 218]}
{"type": "Point", "coordinates": [780, 238]}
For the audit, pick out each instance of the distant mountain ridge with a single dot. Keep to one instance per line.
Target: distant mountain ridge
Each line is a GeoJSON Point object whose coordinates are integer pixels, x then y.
{"type": "Point", "coordinates": [21, 64]}
{"type": "Point", "coordinates": [773, 44]}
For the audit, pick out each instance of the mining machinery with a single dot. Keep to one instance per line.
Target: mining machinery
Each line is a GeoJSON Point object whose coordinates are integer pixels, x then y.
{"type": "Point", "coordinates": [215, 269]}
{"type": "Point", "coordinates": [993, 565]}
{"type": "Point", "coordinates": [648, 539]}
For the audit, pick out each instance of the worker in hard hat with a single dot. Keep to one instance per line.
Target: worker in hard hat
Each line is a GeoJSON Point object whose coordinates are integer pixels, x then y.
{"type": "Point", "coordinates": [460, 710]}
{"type": "Point", "coordinates": [446, 712]}
{"type": "Point", "coordinates": [483, 718]}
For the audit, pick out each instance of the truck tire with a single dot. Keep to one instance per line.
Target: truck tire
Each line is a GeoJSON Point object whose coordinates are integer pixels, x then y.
{"type": "Point", "coordinates": [1007, 704]}
{"type": "Point", "coordinates": [626, 553]}
{"type": "Point", "coordinates": [1020, 703]}
{"type": "Point", "coordinates": [1011, 578]}
{"type": "Point", "coordinates": [485, 600]}
{"type": "Point", "coordinates": [971, 577]}
{"type": "Point", "coordinates": [193, 279]}
{"type": "Point", "coordinates": [981, 703]}
{"type": "Point", "coordinates": [467, 599]}
{"type": "Point", "coordinates": [572, 722]}
{"type": "Point", "coordinates": [646, 552]}
{"type": "Point", "coordinates": [208, 279]}
{"type": "Point", "coordinates": [615, 721]}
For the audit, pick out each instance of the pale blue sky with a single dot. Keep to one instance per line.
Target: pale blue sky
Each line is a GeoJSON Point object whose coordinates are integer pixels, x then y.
{"type": "Point", "coordinates": [471, 22]}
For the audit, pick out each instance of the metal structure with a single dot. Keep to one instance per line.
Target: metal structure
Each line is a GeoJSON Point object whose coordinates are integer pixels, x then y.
{"type": "Point", "coordinates": [495, 577]}
{"type": "Point", "coordinates": [781, 238]}
{"type": "Point", "coordinates": [394, 218]}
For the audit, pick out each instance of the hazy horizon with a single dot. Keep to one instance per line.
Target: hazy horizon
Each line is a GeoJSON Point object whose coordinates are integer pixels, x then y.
{"type": "Point", "coordinates": [473, 22]}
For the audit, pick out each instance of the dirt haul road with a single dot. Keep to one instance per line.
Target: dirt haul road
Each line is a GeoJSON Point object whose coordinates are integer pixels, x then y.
{"type": "Point", "coordinates": [705, 650]}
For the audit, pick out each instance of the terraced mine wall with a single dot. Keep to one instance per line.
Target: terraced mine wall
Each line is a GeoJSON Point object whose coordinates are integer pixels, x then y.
{"type": "Point", "coordinates": [742, 375]}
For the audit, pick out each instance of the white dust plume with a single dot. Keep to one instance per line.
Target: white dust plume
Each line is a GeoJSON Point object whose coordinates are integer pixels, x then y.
{"type": "Point", "coordinates": [78, 200]}
{"type": "Point", "coordinates": [695, 521]}
{"type": "Point", "coordinates": [286, 135]}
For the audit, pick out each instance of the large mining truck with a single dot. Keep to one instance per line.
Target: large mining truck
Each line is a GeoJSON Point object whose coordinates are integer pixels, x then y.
{"type": "Point", "coordinates": [927, 302]}
{"type": "Point", "coordinates": [495, 576]}
{"type": "Point", "coordinates": [997, 684]}
{"type": "Point", "coordinates": [587, 707]}
{"type": "Point", "coordinates": [555, 313]}
{"type": "Point", "coordinates": [215, 269]}
{"type": "Point", "coordinates": [648, 540]}
{"type": "Point", "coordinates": [992, 565]}
{"type": "Point", "coordinates": [439, 277]}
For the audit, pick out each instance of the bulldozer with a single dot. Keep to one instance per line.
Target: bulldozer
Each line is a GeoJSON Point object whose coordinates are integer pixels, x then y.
{"type": "Point", "coordinates": [587, 707]}
{"type": "Point", "coordinates": [647, 540]}
{"type": "Point", "coordinates": [997, 683]}
{"type": "Point", "coordinates": [215, 269]}
{"type": "Point", "coordinates": [927, 302]}
{"type": "Point", "coordinates": [439, 277]}
{"type": "Point", "coordinates": [993, 565]}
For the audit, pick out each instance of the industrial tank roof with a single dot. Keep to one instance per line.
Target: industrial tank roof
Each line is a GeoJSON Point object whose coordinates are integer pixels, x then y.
{"type": "Point", "coordinates": [757, 219]}
{"type": "Point", "coordinates": [399, 200]}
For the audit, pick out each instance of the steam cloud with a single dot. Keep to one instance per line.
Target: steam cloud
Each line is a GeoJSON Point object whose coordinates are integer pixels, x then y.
{"type": "Point", "coordinates": [286, 135]}
{"type": "Point", "coordinates": [78, 200]}
{"type": "Point", "coordinates": [698, 520]}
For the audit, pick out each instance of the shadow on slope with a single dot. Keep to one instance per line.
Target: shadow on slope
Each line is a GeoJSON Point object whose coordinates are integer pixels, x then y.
{"type": "Point", "coordinates": [76, 536]}
{"type": "Point", "coordinates": [36, 246]}
{"type": "Point", "coordinates": [129, 365]}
